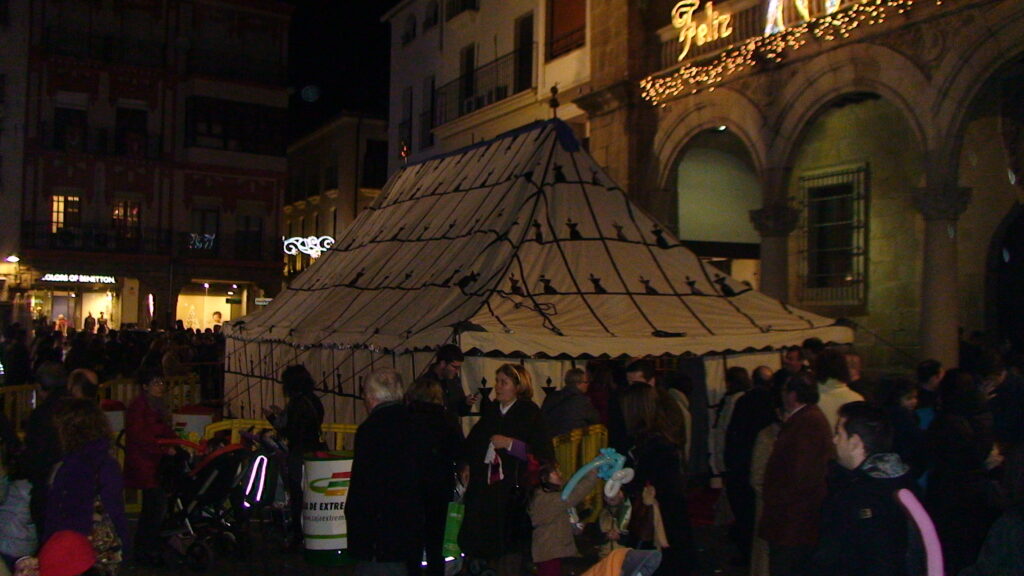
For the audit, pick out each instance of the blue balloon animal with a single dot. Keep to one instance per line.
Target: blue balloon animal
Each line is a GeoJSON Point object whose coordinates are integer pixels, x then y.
{"type": "Point", "coordinates": [610, 468]}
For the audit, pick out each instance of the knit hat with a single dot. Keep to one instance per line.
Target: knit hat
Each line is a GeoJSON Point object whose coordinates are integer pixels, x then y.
{"type": "Point", "coordinates": [66, 553]}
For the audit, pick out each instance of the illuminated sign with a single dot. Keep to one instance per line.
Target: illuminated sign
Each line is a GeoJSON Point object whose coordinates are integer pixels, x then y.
{"type": "Point", "coordinates": [82, 278]}
{"type": "Point", "coordinates": [201, 241]}
{"type": "Point", "coordinates": [715, 25]}
{"type": "Point", "coordinates": [775, 18]}
{"type": "Point", "coordinates": [311, 245]}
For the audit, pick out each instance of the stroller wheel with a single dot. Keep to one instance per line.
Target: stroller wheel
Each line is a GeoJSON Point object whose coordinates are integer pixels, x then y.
{"type": "Point", "coordinates": [199, 557]}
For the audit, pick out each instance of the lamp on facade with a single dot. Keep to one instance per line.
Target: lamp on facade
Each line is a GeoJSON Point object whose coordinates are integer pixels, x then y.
{"type": "Point", "coordinates": [13, 259]}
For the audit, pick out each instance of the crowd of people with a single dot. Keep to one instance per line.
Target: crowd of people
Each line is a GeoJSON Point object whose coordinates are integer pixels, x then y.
{"type": "Point", "coordinates": [814, 459]}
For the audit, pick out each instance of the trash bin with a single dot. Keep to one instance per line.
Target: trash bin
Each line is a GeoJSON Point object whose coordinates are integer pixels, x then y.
{"type": "Point", "coordinates": [325, 477]}
{"type": "Point", "coordinates": [114, 411]}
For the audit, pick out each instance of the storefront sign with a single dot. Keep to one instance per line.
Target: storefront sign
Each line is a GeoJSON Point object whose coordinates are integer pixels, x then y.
{"type": "Point", "coordinates": [263, 301]}
{"type": "Point", "coordinates": [715, 25]}
{"type": "Point", "coordinates": [311, 245]}
{"type": "Point", "coordinates": [79, 278]}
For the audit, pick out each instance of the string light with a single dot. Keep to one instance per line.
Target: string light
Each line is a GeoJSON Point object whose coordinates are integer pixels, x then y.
{"type": "Point", "coordinates": [692, 78]}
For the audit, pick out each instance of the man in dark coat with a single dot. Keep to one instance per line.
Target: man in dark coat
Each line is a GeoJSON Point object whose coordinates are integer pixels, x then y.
{"type": "Point", "coordinates": [384, 510]}
{"type": "Point", "coordinates": [569, 408]}
{"type": "Point", "coordinates": [863, 527]}
{"type": "Point", "coordinates": [42, 446]}
{"type": "Point", "coordinates": [795, 478]}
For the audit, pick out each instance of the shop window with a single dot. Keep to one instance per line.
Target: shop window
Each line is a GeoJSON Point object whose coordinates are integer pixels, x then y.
{"type": "Point", "coordinates": [567, 26]}
{"type": "Point", "coordinates": [127, 223]}
{"type": "Point", "coordinates": [65, 212]}
{"type": "Point", "coordinates": [834, 236]}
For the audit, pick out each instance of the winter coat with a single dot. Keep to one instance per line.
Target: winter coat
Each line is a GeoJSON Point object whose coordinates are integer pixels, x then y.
{"type": "Point", "coordinates": [439, 440]}
{"type": "Point", "coordinates": [301, 424]}
{"type": "Point", "coordinates": [833, 394]}
{"type": "Point", "coordinates": [42, 447]}
{"type": "Point", "coordinates": [496, 522]}
{"type": "Point", "coordinates": [753, 411]}
{"type": "Point", "coordinates": [795, 479]}
{"type": "Point", "coordinates": [549, 514]}
{"type": "Point", "coordinates": [658, 462]}
{"type": "Point", "coordinates": [568, 409]}
{"type": "Point", "coordinates": [89, 471]}
{"type": "Point", "coordinates": [144, 425]}
{"type": "Point", "coordinates": [863, 527]}
{"type": "Point", "coordinates": [1002, 552]}
{"type": "Point", "coordinates": [17, 531]}
{"type": "Point", "coordinates": [384, 510]}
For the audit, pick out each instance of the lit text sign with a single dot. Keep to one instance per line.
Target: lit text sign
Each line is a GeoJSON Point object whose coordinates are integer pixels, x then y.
{"type": "Point", "coordinates": [81, 278]}
{"type": "Point", "coordinates": [311, 245]}
{"type": "Point", "coordinates": [776, 17]}
{"type": "Point", "coordinates": [715, 25]}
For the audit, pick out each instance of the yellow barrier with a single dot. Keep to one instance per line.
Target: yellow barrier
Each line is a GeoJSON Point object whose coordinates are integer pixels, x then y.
{"type": "Point", "coordinates": [576, 448]}
{"type": "Point", "coordinates": [337, 436]}
{"type": "Point", "coordinates": [181, 390]}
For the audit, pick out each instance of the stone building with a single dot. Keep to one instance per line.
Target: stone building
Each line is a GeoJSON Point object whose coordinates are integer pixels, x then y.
{"type": "Point", "coordinates": [152, 159]}
{"type": "Point", "coordinates": [334, 172]}
{"type": "Point", "coordinates": [868, 153]}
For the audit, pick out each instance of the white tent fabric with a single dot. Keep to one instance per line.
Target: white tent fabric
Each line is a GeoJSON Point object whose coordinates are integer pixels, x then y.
{"type": "Point", "coordinates": [519, 246]}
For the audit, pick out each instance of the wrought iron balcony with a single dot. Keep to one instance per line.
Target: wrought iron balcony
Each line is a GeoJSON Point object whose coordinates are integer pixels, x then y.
{"type": "Point", "coordinates": [85, 44]}
{"type": "Point", "coordinates": [232, 62]}
{"type": "Point", "coordinates": [99, 141]}
{"type": "Point", "coordinates": [95, 238]}
{"type": "Point", "coordinates": [493, 82]}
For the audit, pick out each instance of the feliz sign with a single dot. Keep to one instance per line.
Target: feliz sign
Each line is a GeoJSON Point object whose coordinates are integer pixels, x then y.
{"type": "Point", "coordinates": [710, 25]}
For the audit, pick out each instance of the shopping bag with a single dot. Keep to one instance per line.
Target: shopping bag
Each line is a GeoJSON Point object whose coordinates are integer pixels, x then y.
{"type": "Point", "coordinates": [456, 510]}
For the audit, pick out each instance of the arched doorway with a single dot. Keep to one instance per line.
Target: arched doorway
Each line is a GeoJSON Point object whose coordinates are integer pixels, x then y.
{"type": "Point", "coordinates": [716, 188]}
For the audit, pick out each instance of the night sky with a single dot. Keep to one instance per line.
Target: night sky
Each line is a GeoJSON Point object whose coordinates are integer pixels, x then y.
{"type": "Point", "coordinates": [341, 48]}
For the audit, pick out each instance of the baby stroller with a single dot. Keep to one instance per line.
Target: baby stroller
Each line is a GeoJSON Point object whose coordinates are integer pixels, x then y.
{"type": "Point", "coordinates": [199, 479]}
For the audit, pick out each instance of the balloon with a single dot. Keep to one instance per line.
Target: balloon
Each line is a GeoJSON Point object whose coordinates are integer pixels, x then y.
{"type": "Point", "coordinates": [610, 467]}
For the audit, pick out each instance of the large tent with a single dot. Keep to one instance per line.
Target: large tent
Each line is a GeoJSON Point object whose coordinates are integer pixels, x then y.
{"type": "Point", "coordinates": [519, 247]}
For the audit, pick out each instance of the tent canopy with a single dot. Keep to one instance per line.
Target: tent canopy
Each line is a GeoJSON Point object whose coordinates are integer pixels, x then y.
{"type": "Point", "coordinates": [520, 245]}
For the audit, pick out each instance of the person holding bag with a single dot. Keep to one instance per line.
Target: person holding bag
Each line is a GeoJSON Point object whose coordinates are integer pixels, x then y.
{"type": "Point", "coordinates": [496, 529]}
{"type": "Point", "coordinates": [658, 490]}
{"type": "Point", "coordinates": [86, 492]}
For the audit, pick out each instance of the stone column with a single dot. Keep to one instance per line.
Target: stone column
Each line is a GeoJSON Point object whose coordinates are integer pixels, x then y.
{"type": "Point", "coordinates": [775, 222]}
{"type": "Point", "coordinates": [941, 207]}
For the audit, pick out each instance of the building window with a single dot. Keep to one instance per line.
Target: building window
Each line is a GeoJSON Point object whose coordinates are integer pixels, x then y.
{"type": "Point", "coordinates": [235, 126]}
{"type": "Point", "coordinates": [131, 132]}
{"type": "Point", "coordinates": [127, 222]}
{"type": "Point", "coordinates": [375, 165]}
{"type": "Point", "coordinates": [334, 223]}
{"type": "Point", "coordinates": [430, 15]}
{"type": "Point", "coordinates": [409, 30]}
{"type": "Point", "coordinates": [65, 212]}
{"type": "Point", "coordinates": [249, 237]}
{"type": "Point", "coordinates": [567, 26]}
{"type": "Point", "coordinates": [427, 114]}
{"type": "Point", "coordinates": [204, 236]}
{"type": "Point", "coordinates": [833, 263]}
{"type": "Point", "coordinates": [455, 7]}
{"type": "Point", "coordinates": [70, 126]}
{"type": "Point", "coordinates": [405, 124]}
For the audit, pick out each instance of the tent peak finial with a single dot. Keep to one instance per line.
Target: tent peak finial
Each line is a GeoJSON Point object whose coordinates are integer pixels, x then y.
{"type": "Point", "coordinates": [553, 102]}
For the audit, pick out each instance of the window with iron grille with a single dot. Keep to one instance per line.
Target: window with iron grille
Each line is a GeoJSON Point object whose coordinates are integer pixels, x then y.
{"type": "Point", "coordinates": [833, 259]}
{"type": "Point", "coordinates": [127, 219]}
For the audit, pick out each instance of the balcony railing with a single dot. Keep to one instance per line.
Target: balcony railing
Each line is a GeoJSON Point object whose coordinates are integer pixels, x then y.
{"type": "Point", "coordinates": [95, 238]}
{"type": "Point", "coordinates": [106, 47]}
{"type": "Point", "coordinates": [747, 21]}
{"type": "Point", "coordinates": [493, 82]}
{"type": "Point", "coordinates": [99, 141]}
{"type": "Point", "coordinates": [233, 63]}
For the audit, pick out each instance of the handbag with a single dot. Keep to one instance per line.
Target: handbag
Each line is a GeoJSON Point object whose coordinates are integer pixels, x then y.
{"type": "Point", "coordinates": [452, 526]}
{"type": "Point", "coordinates": [104, 539]}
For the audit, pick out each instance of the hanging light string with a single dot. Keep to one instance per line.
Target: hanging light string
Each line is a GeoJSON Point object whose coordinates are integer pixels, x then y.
{"type": "Point", "coordinates": [692, 78]}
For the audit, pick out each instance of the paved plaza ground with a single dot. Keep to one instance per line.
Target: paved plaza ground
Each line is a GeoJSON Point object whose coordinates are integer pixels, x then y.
{"type": "Point", "coordinates": [266, 556]}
